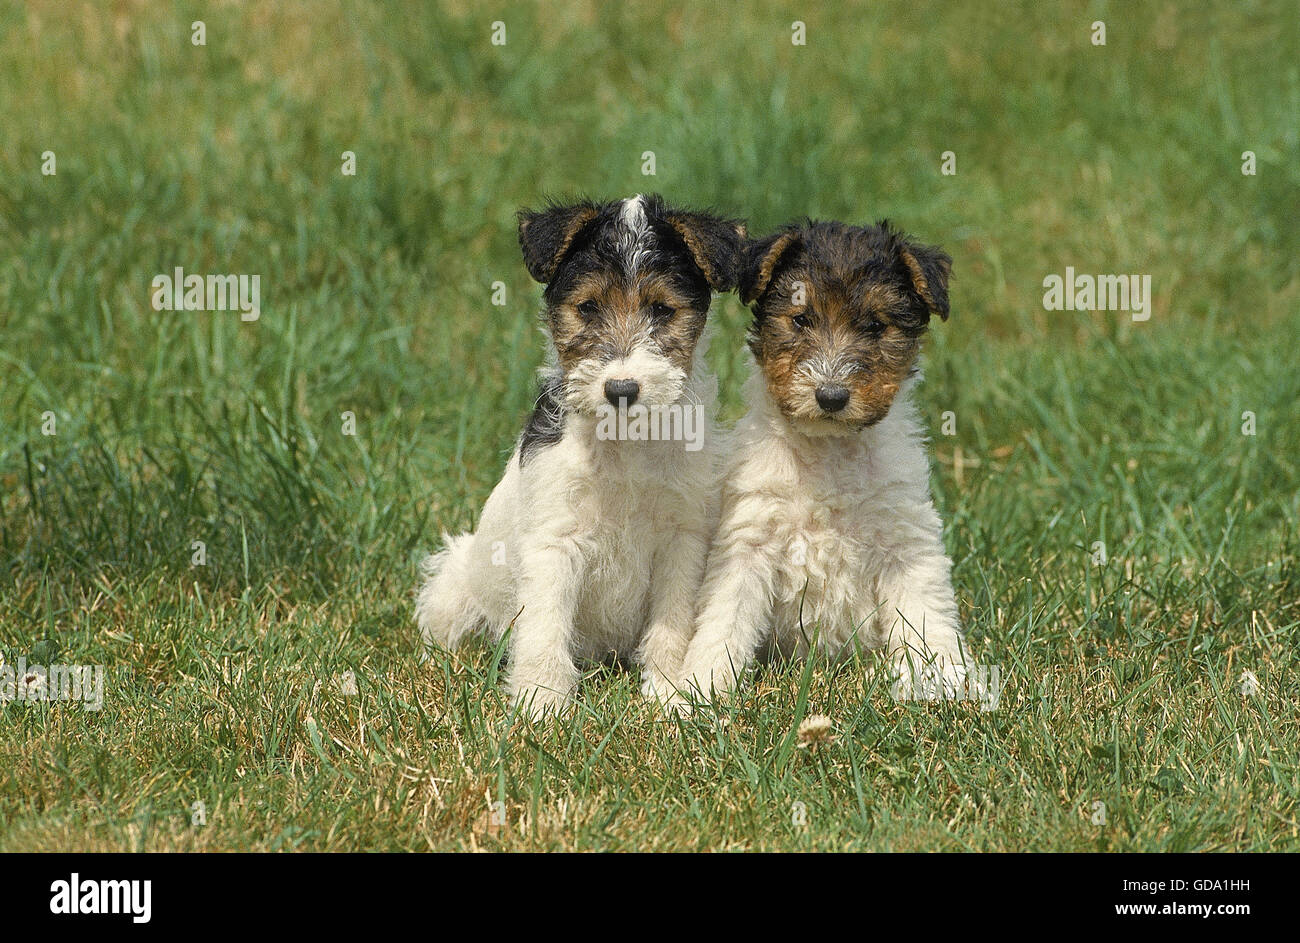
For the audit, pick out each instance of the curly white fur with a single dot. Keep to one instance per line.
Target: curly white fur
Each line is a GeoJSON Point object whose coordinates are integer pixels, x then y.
{"type": "Point", "coordinates": [590, 548]}
{"type": "Point", "coordinates": [831, 536]}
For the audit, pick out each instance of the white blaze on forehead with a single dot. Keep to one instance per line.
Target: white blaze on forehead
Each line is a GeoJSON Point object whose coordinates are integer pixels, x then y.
{"type": "Point", "coordinates": [823, 369]}
{"type": "Point", "coordinates": [634, 212]}
{"type": "Point", "coordinates": [634, 232]}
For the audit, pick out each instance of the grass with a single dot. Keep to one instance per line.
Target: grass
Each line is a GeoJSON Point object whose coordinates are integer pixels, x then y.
{"type": "Point", "coordinates": [224, 683]}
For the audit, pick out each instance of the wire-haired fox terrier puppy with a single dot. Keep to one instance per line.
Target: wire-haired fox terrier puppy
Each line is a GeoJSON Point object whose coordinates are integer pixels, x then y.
{"type": "Point", "coordinates": [826, 519]}
{"type": "Point", "coordinates": [594, 542]}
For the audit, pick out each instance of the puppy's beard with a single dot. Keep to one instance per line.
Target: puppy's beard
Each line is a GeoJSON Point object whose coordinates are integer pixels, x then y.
{"type": "Point", "coordinates": [661, 382]}
{"type": "Point", "coordinates": [799, 406]}
{"type": "Point", "coordinates": [826, 428]}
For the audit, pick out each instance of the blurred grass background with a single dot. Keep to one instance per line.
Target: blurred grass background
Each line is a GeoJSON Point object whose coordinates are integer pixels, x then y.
{"type": "Point", "coordinates": [1072, 427]}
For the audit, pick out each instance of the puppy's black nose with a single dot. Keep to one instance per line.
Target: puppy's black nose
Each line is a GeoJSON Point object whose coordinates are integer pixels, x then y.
{"type": "Point", "coordinates": [622, 392]}
{"type": "Point", "coordinates": [830, 398]}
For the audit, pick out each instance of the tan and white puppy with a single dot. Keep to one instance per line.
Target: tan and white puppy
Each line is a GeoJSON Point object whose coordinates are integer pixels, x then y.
{"type": "Point", "coordinates": [827, 523]}
{"type": "Point", "coordinates": [594, 542]}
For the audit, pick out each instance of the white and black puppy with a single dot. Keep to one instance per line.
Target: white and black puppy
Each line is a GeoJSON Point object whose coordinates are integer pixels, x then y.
{"type": "Point", "coordinates": [826, 520]}
{"type": "Point", "coordinates": [594, 542]}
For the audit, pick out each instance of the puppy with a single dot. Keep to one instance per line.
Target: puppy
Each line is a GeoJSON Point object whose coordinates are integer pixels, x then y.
{"type": "Point", "coordinates": [594, 542]}
{"type": "Point", "coordinates": [826, 520]}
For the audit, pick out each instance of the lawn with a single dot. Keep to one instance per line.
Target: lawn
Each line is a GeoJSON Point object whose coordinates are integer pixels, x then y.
{"type": "Point", "coordinates": [226, 515]}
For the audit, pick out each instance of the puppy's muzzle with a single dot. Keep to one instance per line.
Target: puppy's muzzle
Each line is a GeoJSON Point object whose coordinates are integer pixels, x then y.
{"type": "Point", "coordinates": [623, 393]}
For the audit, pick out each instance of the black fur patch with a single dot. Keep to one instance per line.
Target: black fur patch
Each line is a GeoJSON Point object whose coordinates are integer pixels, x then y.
{"type": "Point", "coordinates": [546, 235]}
{"type": "Point", "coordinates": [546, 425]}
{"type": "Point", "coordinates": [707, 247]}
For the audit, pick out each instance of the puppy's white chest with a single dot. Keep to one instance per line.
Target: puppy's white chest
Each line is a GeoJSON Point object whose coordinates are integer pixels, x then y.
{"type": "Point", "coordinates": [623, 524]}
{"type": "Point", "coordinates": [822, 575]}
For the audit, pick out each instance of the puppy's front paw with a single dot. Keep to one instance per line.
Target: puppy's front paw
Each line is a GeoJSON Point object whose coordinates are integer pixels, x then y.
{"type": "Point", "coordinates": [541, 686]}
{"type": "Point", "coordinates": [537, 703]}
{"type": "Point", "coordinates": [935, 681]}
{"type": "Point", "coordinates": [709, 686]}
{"type": "Point", "coordinates": [657, 688]}
{"type": "Point", "coordinates": [666, 696]}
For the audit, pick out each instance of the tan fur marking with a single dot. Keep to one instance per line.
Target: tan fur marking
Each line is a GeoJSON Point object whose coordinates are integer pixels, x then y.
{"type": "Point", "coordinates": [920, 283]}
{"type": "Point", "coordinates": [768, 264]}
{"type": "Point", "coordinates": [575, 226]}
{"type": "Point", "coordinates": [699, 252]}
{"type": "Point", "coordinates": [881, 359]}
{"type": "Point", "coordinates": [623, 319]}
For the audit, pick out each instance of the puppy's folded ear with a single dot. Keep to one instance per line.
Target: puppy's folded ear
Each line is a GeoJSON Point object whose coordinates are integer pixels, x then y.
{"type": "Point", "coordinates": [929, 268]}
{"type": "Point", "coordinates": [761, 257]}
{"type": "Point", "coordinates": [546, 236]}
{"type": "Point", "coordinates": [714, 243]}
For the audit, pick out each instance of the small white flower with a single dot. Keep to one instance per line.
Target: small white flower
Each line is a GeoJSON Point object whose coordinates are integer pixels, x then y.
{"type": "Point", "coordinates": [815, 731]}
{"type": "Point", "coordinates": [31, 687]}
{"type": "Point", "coordinates": [347, 683]}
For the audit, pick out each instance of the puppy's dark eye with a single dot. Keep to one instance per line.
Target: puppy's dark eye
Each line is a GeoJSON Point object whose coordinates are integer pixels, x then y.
{"type": "Point", "coordinates": [662, 312]}
{"type": "Point", "coordinates": [803, 320]}
{"type": "Point", "coordinates": [589, 309]}
{"type": "Point", "coordinates": [875, 326]}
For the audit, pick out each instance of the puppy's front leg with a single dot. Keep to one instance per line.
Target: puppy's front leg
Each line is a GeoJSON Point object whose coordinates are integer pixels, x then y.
{"type": "Point", "coordinates": [542, 675]}
{"type": "Point", "coordinates": [918, 614]}
{"type": "Point", "coordinates": [736, 609]}
{"type": "Point", "coordinates": [675, 577]}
